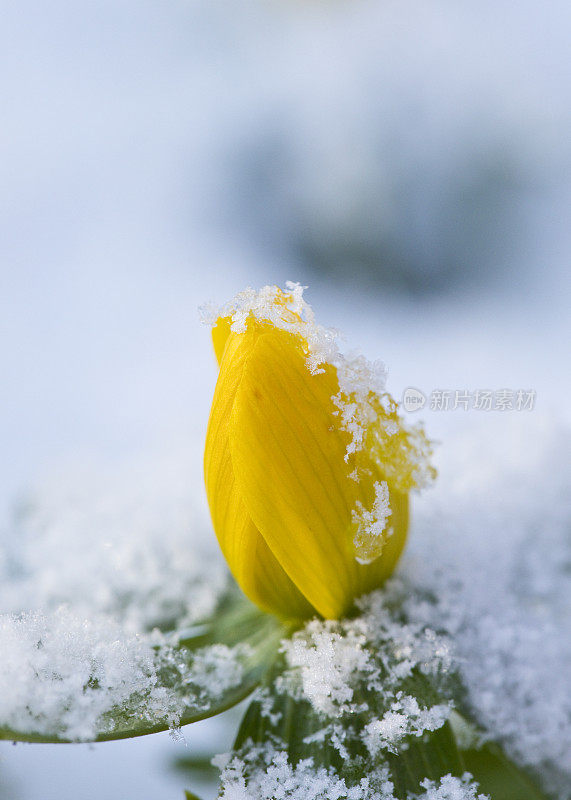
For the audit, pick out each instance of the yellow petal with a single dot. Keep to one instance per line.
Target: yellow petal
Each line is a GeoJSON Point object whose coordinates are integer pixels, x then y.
{"type": "Point", "coordinates": [288, 455]}
{"type": "Point", "coordinates": [220, 333]}
{"type": "Point", "coordinates": [256, 570]}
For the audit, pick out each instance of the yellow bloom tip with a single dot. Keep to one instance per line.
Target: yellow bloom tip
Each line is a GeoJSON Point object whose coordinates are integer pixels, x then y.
{"type": "Point", "coordinates": [308, 464]}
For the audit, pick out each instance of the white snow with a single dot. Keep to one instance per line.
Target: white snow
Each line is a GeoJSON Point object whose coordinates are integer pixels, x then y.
{"type": "Point", "coordinates": [360, 666]}
{"type": "Point", "coordinates": [217, 668]}
{"type": "Point", "coordinates": [59, 673]}
{"type": "Point", "coordinates": [132, 540]}
{"type": "Point", "coordinates": [328, 659]}
{"type": "Point", "coordinates": [491, 545]}
{"type": "Point", "coordinates": [97, 558]}
{"type": "Point", "coordinates": [485, 589]}
{"type": "Point", "coordinates": [451, 788]}
{"type": "Point", "coordinates": [365, 411]}
{"type": "Point", "coordinates": [266, 774]}
{"type": "Point", "coordinates": [405, 718]}
{"type": "Point", "coordinates": [372, 532]}
{"type": "Point", "coordinates": [69, 677]}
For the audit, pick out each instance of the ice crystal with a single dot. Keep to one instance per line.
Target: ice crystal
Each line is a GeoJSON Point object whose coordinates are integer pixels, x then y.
{"type": "Point", "coordinates": [60, 674]}
{"type": "Point", "coordinates": [365, 411]}
{"type": "Point", "coordinates": [361, 667]}
{"type": "Point", "coordinates": [265, 773]}
{"type": "Point", "coordinates": [451, 788]}
{"type": "Point", "coordinates": [372, 531]}
{"type": "Point", "coordinates": [286, 310]}
{"type": "Point", "coordinates": [327, 660]}
{"type": "Point", "coordinates": [67, 677]}
{"type": "Point", "coordinates": [404, 718]}
{"type": "Point", "coordinates": [218, 668]}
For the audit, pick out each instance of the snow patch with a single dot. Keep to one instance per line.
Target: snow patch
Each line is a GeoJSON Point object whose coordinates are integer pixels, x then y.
{"type": "Point", "coordinates": [265, 773]}
{"type": "Point", "coordinates": [451, 788]}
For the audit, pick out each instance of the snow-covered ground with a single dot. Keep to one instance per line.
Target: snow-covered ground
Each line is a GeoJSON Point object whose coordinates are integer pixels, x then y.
{"type": "Point", "coordinates": [409, 161]}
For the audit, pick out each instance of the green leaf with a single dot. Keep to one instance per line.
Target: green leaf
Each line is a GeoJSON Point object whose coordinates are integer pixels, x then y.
{"type": "Point", "coordinates": [495, 773]}
{"type": "Point", "coordinates": [191, 795]}
{"type": "Point", "coordinates": [292, 725]}
{"type": "Point", "coordinates": [182, 663]}
{"type": "Point", "coordinates": [292, 717]}
{"type": "Point", "coordinates": [498, 776]}
{"type": "Point", "coordinates": [197, 765]}
{"type": "Point", "coordinates": [431, 756]}
{"type": "Point", "coordinates": [291, 721]}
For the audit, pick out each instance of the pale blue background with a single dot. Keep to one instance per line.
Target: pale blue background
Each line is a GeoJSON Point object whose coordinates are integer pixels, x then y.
{"type": "Point", "coordinates": [157, 155]}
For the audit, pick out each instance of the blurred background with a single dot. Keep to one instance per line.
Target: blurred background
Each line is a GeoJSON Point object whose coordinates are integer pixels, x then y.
{"type": "Point", "coordinates": [408, 161]}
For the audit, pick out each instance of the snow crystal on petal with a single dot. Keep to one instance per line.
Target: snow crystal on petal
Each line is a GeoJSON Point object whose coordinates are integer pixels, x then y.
{"type": "Point", "coordinates": [364, 410]}
{"type": "Point", "coordinates": [372, 531]}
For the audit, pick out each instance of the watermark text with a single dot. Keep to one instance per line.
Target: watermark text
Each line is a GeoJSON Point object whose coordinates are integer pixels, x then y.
{"type": "Point", "coordinates": [469, 399]}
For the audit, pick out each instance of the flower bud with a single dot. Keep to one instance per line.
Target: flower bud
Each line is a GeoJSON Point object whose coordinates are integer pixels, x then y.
{"type": "Point", "coordinates": [308, 466]}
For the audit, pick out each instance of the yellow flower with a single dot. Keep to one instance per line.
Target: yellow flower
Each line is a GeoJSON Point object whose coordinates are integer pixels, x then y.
{"type": "Point", "coordinates": [307, 463]}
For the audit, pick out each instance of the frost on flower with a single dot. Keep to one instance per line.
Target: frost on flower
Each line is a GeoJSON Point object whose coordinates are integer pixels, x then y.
{"type": "Point", "coordinates": [366, 412]}
{"type": "Point", "coordinates": [326, 662]}
{"type": "Point", "coordinates": [372, 531]}
{"type": "Point", "coordinates": [363, 693]}
{"type": "Point", "coordinates": [319, 457]}
{"type": "Point", "coordinates": [351, 698]}
{"type": "Point", "coordinates": [217, 668]}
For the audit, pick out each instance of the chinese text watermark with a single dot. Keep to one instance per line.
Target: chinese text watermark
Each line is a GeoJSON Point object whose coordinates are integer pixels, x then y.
{"type": "Point", "coordinates": [466, 400]}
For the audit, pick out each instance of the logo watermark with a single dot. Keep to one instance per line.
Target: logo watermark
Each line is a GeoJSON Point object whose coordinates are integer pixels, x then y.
{"type": "Point", "coordinates": [469, 399]}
